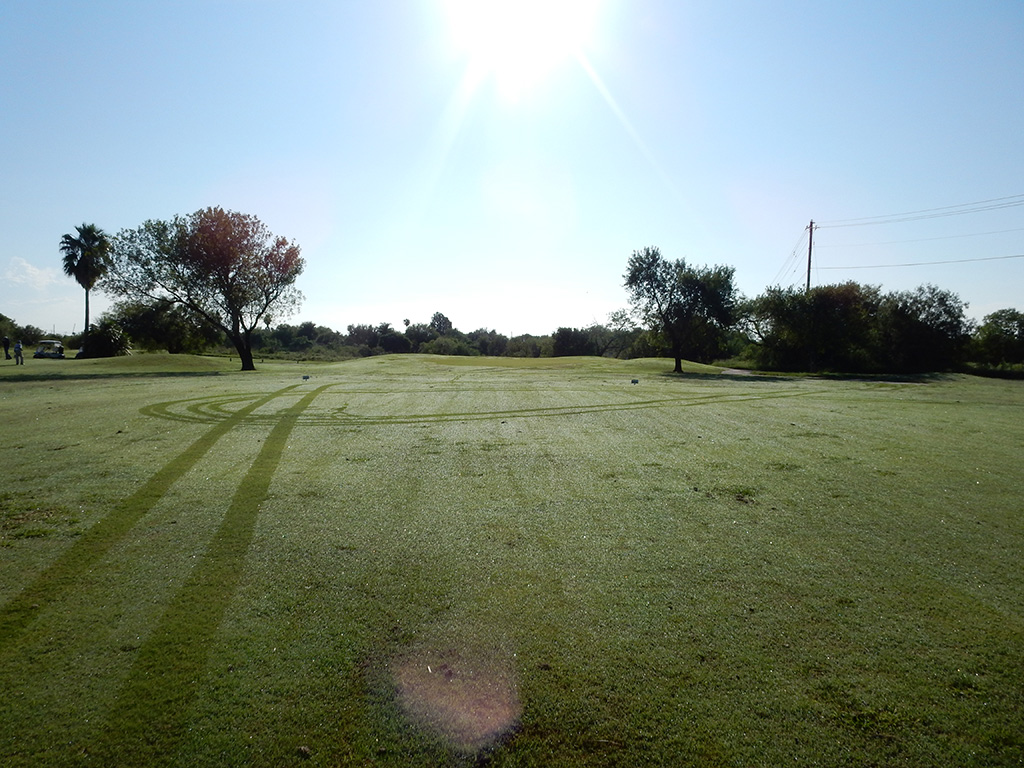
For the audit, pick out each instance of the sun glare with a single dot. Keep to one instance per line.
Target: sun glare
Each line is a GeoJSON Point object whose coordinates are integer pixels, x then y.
{"type": "Point", "coordinates": [518, 42]}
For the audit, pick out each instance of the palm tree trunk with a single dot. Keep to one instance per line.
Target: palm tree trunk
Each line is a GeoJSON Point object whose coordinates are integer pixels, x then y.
{"type": "Point", "coordinates": [85, 333]}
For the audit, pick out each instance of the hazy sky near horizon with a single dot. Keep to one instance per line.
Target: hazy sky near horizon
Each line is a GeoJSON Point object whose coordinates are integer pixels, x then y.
{"type": "Point", "coordinates": [501, 168]}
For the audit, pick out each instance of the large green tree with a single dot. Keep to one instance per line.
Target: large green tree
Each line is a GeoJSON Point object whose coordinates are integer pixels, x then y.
{"type": "Point", "coordinates": [87, 259]}
{"type": "Point", "coordinates": [568, 342]}
{"type": "Point", "coordinates": [1000, 338]}
{"type": "Point", "coordinates": [691, 307]}
{"type": "Point", "coordinates": [828, 328]}
{"type": "Point", "coordinates": [440, 323]}
{"type": "Point", "coordinates": [225, 267]}
{"type": "Point", "coordinates": [923, 330]}
{"type": "Point", "coordinates": [857, 328]}
{"type": "Point", "coordinates": [161, 325]}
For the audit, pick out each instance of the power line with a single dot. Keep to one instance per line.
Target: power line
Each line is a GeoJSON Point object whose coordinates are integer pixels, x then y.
{"type": "Point", "coordinates": [919, 240]}
{"type": "Point", "coordinates": [926, 263]}
{"type": "Point", "coordinates": [979, 206]}
{"type": "Point", "coordinates": [790, 265]}
{"type": "Point", "coordinates": [993, 204]}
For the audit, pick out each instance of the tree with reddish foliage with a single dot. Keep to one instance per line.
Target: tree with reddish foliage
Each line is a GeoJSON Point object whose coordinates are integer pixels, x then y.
{"type": "Point", "coordinates": [226, 268]}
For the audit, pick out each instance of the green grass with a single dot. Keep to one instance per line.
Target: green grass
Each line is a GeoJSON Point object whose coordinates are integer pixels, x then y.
{"type": "Point", "coordinates": [204, 567]}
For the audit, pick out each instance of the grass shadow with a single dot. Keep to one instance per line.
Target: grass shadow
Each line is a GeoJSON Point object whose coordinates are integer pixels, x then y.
{"type": "Point", "coordinates": [744, 375]}
{"type": "Point", "coordinates": [737, 375]}
{"type": "Point", "coordinates": [100, 375]}
{"type": "Point", "coordinates": [68, 568]}
{"type": "Point", "coordinates": [149, 718]}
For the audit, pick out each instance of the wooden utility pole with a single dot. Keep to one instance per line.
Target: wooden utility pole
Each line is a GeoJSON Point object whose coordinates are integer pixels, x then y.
{"type": "Point", "coordinates": [810, 247]}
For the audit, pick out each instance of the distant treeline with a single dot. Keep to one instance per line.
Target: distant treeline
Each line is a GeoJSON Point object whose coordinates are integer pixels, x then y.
{"type": "Point", "coordinates": [839, 328]}
{"type": "Point", "coordinates": [857, 328]}
{"type": "Point", "coordinates": [27, 334]}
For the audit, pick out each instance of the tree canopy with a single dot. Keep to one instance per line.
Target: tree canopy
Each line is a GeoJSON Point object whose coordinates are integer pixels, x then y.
{"type": "Point", "coordinates": [441, 324]}
{"type": "Point", "coordinates": [855, 328]}
{"type": "Point", "coordinates": [690, 306]}
{"type": "Point", "coordinates": [1000, 338]}
{"type": "Point", "coordinates": [224, 267]}
{"type": "Point", "coordinates": [162, 325]}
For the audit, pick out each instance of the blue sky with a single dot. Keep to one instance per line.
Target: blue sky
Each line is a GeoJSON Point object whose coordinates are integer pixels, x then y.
{"type": "Point", "coordinates": [503, 173]}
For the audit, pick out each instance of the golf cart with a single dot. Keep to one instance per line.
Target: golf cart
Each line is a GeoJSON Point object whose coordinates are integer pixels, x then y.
{"type": "Point", "coordinates": [50, 348]}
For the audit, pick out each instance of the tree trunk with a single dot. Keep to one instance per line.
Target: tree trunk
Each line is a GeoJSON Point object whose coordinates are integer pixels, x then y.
{"type": "Point", "coordinates": [246, 356]}
{"type": "Point", "coordinates": [84, 346]}
{"type": "Point", "coordinates": [244, 349]}
{"type": "Point", "coordinates": [677, 354]}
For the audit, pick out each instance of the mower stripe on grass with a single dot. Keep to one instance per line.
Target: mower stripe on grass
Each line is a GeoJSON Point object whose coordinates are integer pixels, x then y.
{"type": "Point", "coordinates": [148, 719]}
{"type": "Point", "coordinates": [67, 569]}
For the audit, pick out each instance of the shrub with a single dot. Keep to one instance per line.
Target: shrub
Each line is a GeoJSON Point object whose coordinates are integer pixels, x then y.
{"type": "Point", "coordinates": [446, 345]}
{"type": "Point", "coordinates": [106, 339]}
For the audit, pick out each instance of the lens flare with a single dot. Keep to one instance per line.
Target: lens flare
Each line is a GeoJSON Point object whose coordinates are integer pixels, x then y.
{"type": "Point", "coordinates": [468, 696]}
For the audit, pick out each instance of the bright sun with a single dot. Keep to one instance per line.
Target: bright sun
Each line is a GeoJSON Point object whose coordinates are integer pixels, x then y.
{"type": "Point", "coordinates": [518, 42]}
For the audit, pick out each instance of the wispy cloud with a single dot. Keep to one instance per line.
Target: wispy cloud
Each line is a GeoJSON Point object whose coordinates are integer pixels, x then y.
{"type": "Point", "coordinates": [20, 272]}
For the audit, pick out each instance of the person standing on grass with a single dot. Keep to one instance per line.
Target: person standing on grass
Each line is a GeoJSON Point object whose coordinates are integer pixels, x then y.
{"type": "Point", "coordinates": [19, 359]}
{"type": "Point", "coordinates": [7, 348]}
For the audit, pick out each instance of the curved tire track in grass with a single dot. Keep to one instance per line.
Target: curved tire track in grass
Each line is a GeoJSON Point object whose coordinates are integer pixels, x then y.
{"type": "Point", "coordinates": [69, 567]}
{"type": "Point", "coordinates": [148, 720]}
{"type": "Point", "coordinates": [211, 410]}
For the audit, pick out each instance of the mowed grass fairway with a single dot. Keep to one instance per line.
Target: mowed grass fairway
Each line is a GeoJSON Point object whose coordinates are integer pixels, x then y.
{"type": "Point", "coordinates": [436, 561]}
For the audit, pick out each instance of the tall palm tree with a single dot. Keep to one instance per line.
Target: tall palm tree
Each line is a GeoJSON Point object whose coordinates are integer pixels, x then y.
{"type": "Point", "coordinates": [86, 258]}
